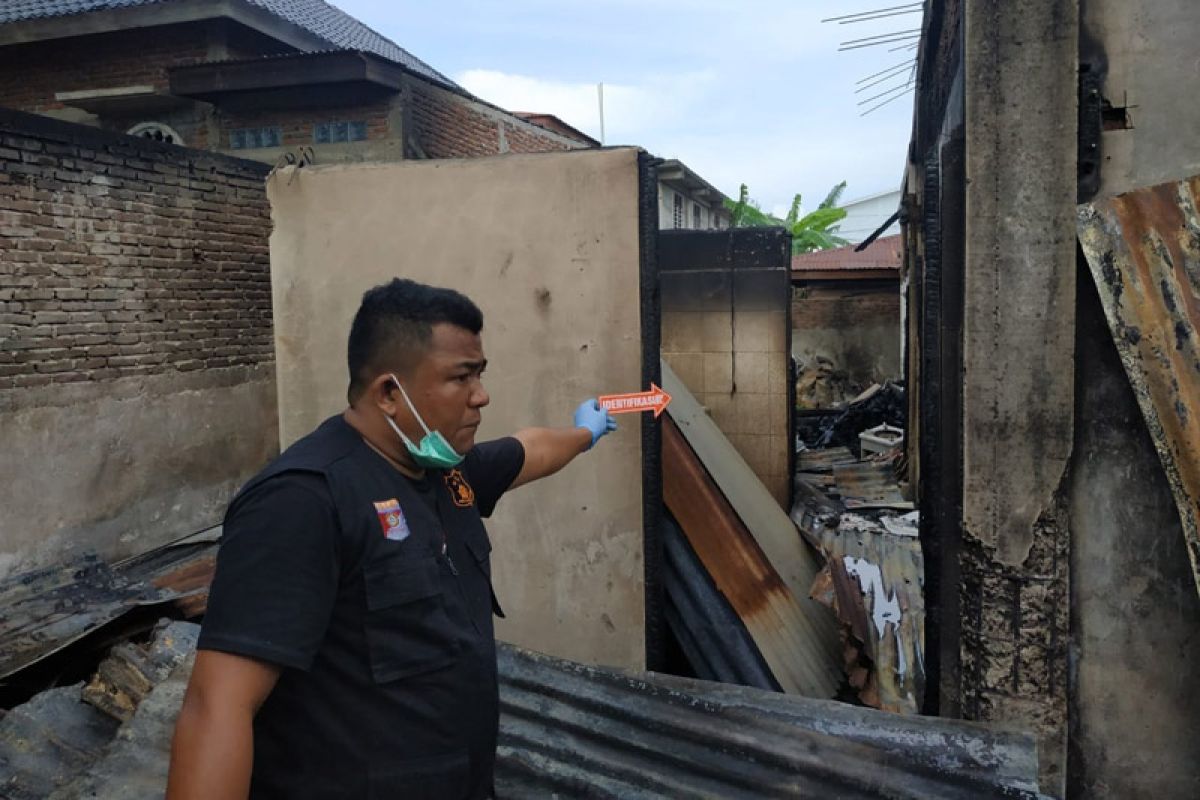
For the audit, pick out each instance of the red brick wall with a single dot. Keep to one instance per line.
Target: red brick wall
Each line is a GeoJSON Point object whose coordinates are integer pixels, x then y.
{"type": "Point", "coordinates": [815, 308]}
{"type": "Point", "coordinates": [451, 126]}
{"type": "Point", "coordinates": [124, 257]}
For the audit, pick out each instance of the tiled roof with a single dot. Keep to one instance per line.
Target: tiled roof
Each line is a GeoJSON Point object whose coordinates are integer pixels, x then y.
{"type": "Point", "coordinates": [315, 16]}
{"type": "Point", "coordinates": [883, 253]}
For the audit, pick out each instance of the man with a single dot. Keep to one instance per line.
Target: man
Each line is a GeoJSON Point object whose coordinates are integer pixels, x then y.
{"type": "Point", "coordinates": [348, 646]}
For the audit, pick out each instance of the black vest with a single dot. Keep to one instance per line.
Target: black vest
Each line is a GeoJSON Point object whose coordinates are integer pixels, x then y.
{"type": "Point", "coordinates": [402, 699]}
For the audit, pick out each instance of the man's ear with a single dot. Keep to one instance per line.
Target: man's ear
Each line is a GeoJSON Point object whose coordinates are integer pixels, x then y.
{"type": "Point", "coordinates": [384, 393]}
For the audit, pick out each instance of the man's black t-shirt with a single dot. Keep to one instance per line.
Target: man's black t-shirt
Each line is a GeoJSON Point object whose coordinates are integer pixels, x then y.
{"type": "Point", "coordinates": [373, 592]}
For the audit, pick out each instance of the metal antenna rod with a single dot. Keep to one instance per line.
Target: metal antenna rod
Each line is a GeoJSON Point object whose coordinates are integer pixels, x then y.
{"type": "Point", "coordinates": [885, 102]}
{"type": "Point", "coordinates": [904, 85]}
{"type": "Point", "coordinates": [913, 46]}
{"type": "Point", "coordinates": [867, 13]}
{"type": "Point", "coordinates": [889, 69]}
{"type": "Point", "coordinates": [881, 36]}
{"type": "Point", "coordinates": [877, 44]}
{"type": "Point", "coordinates": [891, 74]}
{"type": "Point", "coordinates": [882, 16]}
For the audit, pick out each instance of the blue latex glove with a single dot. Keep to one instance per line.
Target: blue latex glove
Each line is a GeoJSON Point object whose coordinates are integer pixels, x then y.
{"type": "Point", "coordinates": [596, 419]}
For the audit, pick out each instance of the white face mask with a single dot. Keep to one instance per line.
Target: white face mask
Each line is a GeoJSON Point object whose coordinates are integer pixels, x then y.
{"type": "Point", "coordinates": [434, 452]}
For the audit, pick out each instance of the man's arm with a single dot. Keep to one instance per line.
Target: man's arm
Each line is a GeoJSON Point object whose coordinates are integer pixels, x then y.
{"type": "Point", "coordinates": [213, 749]}
{"type": "Point", "coordinates": [547, 450]}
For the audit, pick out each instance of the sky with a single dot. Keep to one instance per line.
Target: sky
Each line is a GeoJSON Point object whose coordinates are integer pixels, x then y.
{"type": "Point", "coordinates": [742, 91]}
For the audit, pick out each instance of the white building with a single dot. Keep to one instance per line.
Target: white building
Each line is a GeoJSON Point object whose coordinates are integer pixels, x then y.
{"type": "Point", "coordinates": [866, 214]}
{"type": "Point", "coordinates": [685, 200]}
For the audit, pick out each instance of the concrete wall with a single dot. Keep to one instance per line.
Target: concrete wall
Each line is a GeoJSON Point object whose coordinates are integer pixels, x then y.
{"type": "Point", "coordinates": [1135, 614]}
{"type": "Point", "coordinates": [120, 467]}
{"type": "Point", "coordinates": [725, 331]}
{"type": "Point", "coordinates": [136, 387]}
{"type": "Point", "coordinates": [1021, 100]}
{"type": "Point", "coordinates": [548, 247]}
{"type": "Point", "coordinates": [1149, 53]}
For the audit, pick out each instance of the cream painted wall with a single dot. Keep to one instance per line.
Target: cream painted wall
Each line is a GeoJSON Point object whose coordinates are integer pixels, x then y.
{"type": "Point", "coordinates": [547, 245]}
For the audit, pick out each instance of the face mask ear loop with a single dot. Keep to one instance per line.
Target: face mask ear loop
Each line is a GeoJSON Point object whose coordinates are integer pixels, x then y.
{"type": "Point", "coordinates": [411, 407]}
{"type": "Point", "coordinates": [399, 432]}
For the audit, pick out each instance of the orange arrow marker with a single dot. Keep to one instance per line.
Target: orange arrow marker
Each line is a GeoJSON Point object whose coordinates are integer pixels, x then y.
{"type": "Point", "coordinates": [655, 400]}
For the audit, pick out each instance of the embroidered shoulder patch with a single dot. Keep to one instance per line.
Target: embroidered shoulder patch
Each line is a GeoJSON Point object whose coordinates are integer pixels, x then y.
{"type": "Point", "coordinates": [391, 519]}
{"type": "Point", "coordinates": [460, 491]}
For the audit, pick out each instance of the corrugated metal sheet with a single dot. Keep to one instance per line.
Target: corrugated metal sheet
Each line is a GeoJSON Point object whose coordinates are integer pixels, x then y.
{"type": "Point", "coordinates": [763, 551]}
{"type": "Point", "coordinates": [883, 253]}
{"type": "Point", "coordinates": [869, 484]}
{"type": "Point", "coordinates": [874, 582]}
{"type": "Point", "coordinates": [44, 611]}
{"type": "Point", "coordinates": [824, 459]}
{"type": "Point", "coordinates": [714, 639]}
{"type": "Point", "coordinates": [569, 730]}
{"type": "Point", "coordinates": [770, 611]}
{"type": "Point", "coordinates": [1143, 249]}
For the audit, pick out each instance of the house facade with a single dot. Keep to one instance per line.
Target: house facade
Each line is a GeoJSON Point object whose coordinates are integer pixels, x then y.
{"type": "Point", "coordinates": [688, 202]}
{"type": "Point", "coordinates": [260, 79]}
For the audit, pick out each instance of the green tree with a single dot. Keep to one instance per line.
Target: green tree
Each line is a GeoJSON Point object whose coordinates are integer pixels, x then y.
{"type": "Point", "coordinates": [816, 230]}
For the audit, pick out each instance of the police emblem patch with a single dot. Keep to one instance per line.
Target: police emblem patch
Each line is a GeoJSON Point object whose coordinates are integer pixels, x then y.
{"type": "Point", "coordinates": [391, 519]}
{"type": "Point", "coordinates": [460, 491]}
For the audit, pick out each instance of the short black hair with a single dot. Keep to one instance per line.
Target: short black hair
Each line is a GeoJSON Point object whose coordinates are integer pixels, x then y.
{"type": "Point", "coordinates": [394, 325]}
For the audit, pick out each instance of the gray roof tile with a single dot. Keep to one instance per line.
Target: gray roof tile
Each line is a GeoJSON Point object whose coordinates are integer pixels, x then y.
{"type": "Point", "coordinates": [316, 16]}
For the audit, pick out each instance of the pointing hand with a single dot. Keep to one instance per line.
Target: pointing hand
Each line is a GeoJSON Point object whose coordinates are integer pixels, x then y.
{"type": "Point", "coordinates": [597, 420]}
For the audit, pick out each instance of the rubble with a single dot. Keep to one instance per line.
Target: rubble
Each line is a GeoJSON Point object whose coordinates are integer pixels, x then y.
{"type": "Point", "coordinates": [880, 404]}
{"type": "Point", "coordinates": [873, 579]}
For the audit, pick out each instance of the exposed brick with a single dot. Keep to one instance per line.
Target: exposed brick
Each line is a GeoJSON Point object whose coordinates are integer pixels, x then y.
{"type": "Point", "coordinates": [113, 271]}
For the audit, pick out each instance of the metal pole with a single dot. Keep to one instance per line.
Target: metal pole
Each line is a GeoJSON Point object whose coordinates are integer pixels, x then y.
{"type": "Point", "coordinates": [600, 95]}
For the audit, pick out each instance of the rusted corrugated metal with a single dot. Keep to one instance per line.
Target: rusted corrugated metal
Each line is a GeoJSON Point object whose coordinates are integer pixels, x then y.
{"type": "Point", "coordinates": [824, 459]}
{"type": "Point", "coordinates": [44, 611]}
{"type": "Point", "coordinates": [869, 484]}
{"type": "Point", "coordinates": [742, 572]}
{"type": "Point", "coordinates": [748, 545]}
{"type": "Point", "coordinates": [874, 582]}
{"type": "Point", "coordinates": [1143, 249]}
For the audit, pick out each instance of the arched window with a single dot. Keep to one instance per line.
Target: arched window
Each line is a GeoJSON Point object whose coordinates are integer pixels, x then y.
{"type": "Point", "coordinates": [157, 132]}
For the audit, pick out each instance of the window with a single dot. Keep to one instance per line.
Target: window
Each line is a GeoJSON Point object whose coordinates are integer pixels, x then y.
{"type": "Point", "coordinates": [249, 138]}
{"type": "Point", "coordinates": [341, 131]}
{"type": "Point", "coordinates": [155, 131]}
{"type": "Point", "coordinates": [696, 216]}
{"type": "Point", "coordinates": [678, 211]}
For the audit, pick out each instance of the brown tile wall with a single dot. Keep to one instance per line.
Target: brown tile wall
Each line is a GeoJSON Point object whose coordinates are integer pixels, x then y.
{"type": "Point", "coordinates": [725, 331]}
{"type": "Point", "coordinates": [736, 364]}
